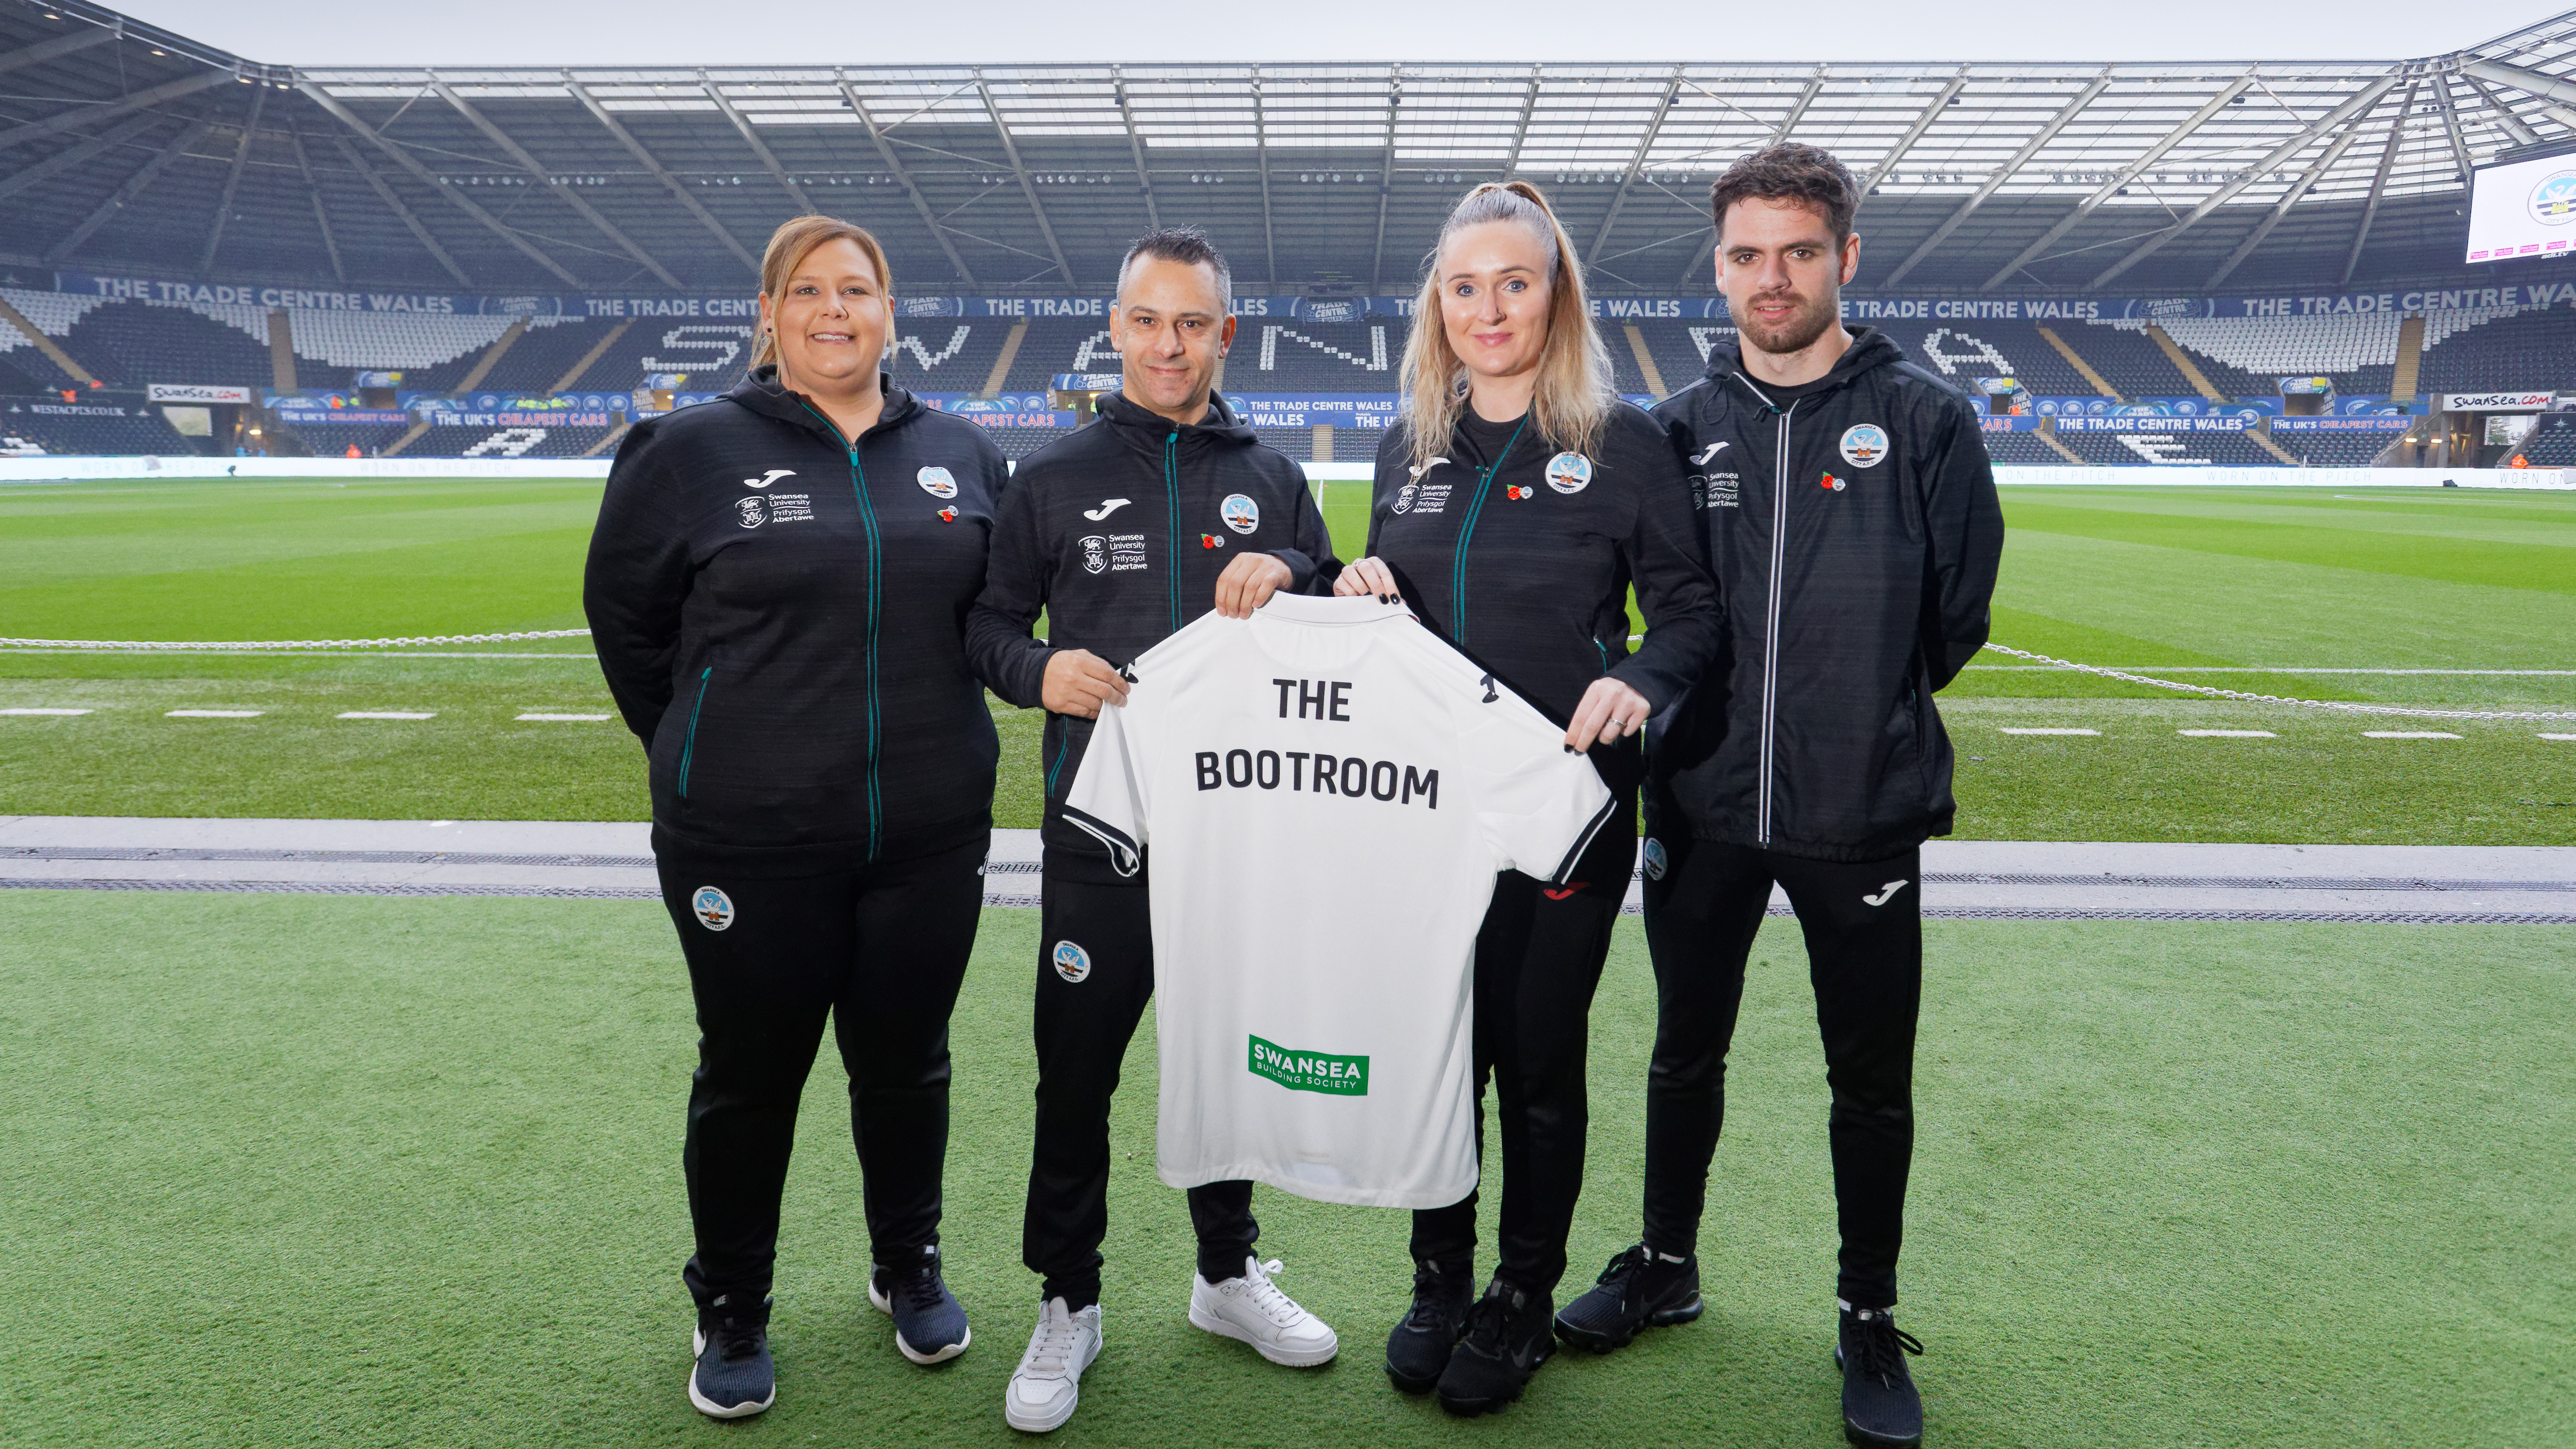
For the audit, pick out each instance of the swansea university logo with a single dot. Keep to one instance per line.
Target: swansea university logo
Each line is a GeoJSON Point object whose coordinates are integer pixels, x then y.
{"type": "Point", "coordinates": [1095, 554]}
{"type": "Point", "coordinates": [712, 907]}
{"type": "Point", "coordinates": [754, 512]}
{"type": "Point", "coordinates": [1298, 1071]}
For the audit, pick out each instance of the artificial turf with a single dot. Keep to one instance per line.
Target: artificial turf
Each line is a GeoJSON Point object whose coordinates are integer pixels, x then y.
{"type": "Point", "coordinates": [292, 1170]}
{"type": "Point", "coordinates": [2255, 581]}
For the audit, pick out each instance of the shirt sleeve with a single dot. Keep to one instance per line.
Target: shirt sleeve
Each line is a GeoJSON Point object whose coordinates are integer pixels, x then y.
{"type": "Point", "coordinates": [1966, 524]}
{"type": "Point", "coordinates": [1108, 801]}
{"type": "Point", "coordinates": [1016, 574]}
{"type": "Point", "coordinates": [634, 583]}
{"type": "Point", "coordinates": [1539, 806]}
{"type": "Point", "coordinates": [1666, 556]}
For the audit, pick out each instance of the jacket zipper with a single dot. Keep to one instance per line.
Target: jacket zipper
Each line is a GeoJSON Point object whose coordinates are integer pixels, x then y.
{"type": "Point", "coordinates": [1063, 747]}
{"type": "Point", "coordinates": [876, 601]}
{"type": "Point", "coordinates": [1467, 530]}
{"type": "Point", "coordinates": [1172, 533]}
{"type": "Point", "coordinates": [1771, 623]}
{"type": "Point", "coordinates": [689, 744]}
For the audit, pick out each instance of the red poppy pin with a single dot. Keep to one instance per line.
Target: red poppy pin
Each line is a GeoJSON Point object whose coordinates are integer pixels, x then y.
{"type": "Point", "coordinates": [1210, 540]}
{"type": "Point", "coordinates": [1832, 482]}
{"type": "Point", "coordinates": [948, 515]}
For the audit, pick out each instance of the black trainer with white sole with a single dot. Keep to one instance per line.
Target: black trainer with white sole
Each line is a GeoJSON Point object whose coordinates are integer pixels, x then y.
{"type": "Point", "coordinates": [733, 1377]}
{"type": "Point", "coordinates": [929, 1324]}
{"type": "Point", "coordinates": [1881, 1406]}
{"type": "Point", "coordinates": [1641, 1289]}
{"type": "Point", "coordinates": [1508, 1336]}
{"type": "Point", "coordinates": [1417, 1352]}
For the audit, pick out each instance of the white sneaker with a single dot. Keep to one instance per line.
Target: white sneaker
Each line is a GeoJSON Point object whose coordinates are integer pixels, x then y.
{"type": "Point", "coordinates": [1048, 1382]}
{"type": "Point", "coordinates": [1252, 1308]}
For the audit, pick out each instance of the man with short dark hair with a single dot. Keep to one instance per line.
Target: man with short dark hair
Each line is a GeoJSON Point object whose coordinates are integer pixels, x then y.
{"type": "Point", "coordinates": [1164, 506]}
{"type": "Point", "coordinates": [1851, 519]}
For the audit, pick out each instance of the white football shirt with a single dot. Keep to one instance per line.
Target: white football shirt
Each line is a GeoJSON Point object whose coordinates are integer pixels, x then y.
{"type": "Point", "coordinates": [1328, 791]}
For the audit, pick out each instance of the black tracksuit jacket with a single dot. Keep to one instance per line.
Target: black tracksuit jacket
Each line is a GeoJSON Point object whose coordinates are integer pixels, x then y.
{"type": "Point", "coordinates": [781, 615]}
{"type": "Point", "coordinates": [1119, 532]}
{"type": "Point", "coordinates": [1854, 525]}
{"type": "Point", "coordinates": [1522, 555]}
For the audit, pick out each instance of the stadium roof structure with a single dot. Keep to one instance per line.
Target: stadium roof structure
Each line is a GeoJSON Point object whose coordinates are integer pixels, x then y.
{"type": "Point", "coordinates": [132, 150]}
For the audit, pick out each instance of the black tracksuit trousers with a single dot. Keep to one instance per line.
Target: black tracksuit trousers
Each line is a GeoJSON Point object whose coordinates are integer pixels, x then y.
{"type": "Point", "coordinates": [881, 951]}
{"type": "Point", "coordinates": [1087, 1010]}
{"type": "Point", "coordinates": [1864, 928]}
{"type": "Point", "coordinates": [1538, 960]}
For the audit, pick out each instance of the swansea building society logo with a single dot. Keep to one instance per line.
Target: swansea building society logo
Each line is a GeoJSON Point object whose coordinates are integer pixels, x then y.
{"type": "Point", "coordinates": [1864, 444]}
{"type": "Point", "coordinates": [1071, 961]}
{"type": "Point", "coordinates": [1303, 1071]}
{"type": "Point", "coordinates": [712, 907]}
{"type": "Point", "coordinates": [937, 482]}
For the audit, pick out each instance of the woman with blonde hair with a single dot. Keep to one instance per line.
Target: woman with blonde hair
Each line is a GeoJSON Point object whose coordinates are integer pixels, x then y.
{"type": "Point", "coordinates": [777, 588]}
{"type": "Point", "coordinates": [1516, 503]}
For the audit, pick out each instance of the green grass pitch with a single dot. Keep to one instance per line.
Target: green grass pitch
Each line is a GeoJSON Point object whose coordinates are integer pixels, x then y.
{"type": "Point", "coordinates": [2176, 1185]}
{"type": "Point", "coordinates": [2166, 577]}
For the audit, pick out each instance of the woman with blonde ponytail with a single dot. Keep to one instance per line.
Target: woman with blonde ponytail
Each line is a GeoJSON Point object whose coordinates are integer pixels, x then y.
{"type": "Point", "coordinates": [1516, 503]}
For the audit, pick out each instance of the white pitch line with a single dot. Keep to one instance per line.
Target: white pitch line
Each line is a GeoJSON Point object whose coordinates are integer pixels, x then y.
{"type": "Point", "coordinates": [2558, 737]}
{"type": "Point", "coordinates": [565, 718]}
{"type": "Point", "coordinates": [214, 714]}
{"type": "Point", "coordinates": [2297, 669]}
{"type": "Point", "coordinates": [2408, 735]}
{"type": "Point", "coordinates": [2228, 734]}
{"type": "Point", "coordinates": [43, 711]}
{"type": "Point", "coordinates": [2010, 730]}
{"type": "Point", "coordinates": [387, 714]}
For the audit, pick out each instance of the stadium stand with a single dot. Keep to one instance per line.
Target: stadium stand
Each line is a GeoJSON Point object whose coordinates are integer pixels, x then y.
{"type": "Point", "coordinates": [484, 441]}
{"type": "Point", "coordinates": [2181, 450]}
{"type": "Point", "coordinates": [543, 353]}
{"type": "Point", "coordinates": [100, 423]}
{"type": "Point", "coordinates": [1302, 356]}
{"type": "Point", "coordinates": [335, 441]}
{"type": "Point", "coordinates": [1081, 344]}
{"type": "Point", "coordinates": [2552, 442]}
{"type": "Point", "coordinates": [1962, 352]}
{"type": "Point", "coordinates": [136, 343]}
{"type": "Point", "coordinates": [2335, 450]}
{"type": "Point", "coordinates": [1680, 350]}
{"type": "Point", "coordinates": [2128, 359]}
{"type": "Point", "coordinates": [1297, 443]}
{"type": "Point", "coordinates": [54, 314]}
{"type": "Point", "coordinates": [2248, 356]}
{"type": "Point", "coordinates": [1018, 443]}
{"type": "Point", "coordinates": [2485, 348]}
{"type": "Point", "coordinates": [2021, 450]}
{"type": "Point", "coordinates": [712, 356]}
{"type": "Point", "coordinates": [946, 354]}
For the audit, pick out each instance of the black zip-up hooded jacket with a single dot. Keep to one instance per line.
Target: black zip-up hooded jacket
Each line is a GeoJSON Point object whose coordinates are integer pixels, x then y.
{"type": "Point", "coordinates": [781, 617]}
{"type": "Point", "coordinates": [1854, 523]}
{"type": "Point", "coordinates": [1119, 532]}
{"type": "Point", "coordinates": [1522, 555]}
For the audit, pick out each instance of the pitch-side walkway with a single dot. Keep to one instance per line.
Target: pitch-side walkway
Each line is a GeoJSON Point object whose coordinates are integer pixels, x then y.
{"type": "Point", "coordinates": [1993, 880]}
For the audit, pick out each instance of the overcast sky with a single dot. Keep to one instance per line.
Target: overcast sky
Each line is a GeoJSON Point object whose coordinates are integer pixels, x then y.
{"type": "Point", "coordinates": [1003, 32]}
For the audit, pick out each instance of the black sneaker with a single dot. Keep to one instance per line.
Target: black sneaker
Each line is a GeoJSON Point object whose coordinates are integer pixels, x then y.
{"type": "Point", "coordinates": [1880, 1404]}
{"type": "Point", "coordinates": [1639, 1290]}
{"type": "Point", "coordinates": [734, 1378]}
{"type": "Point", "coordinates": [929, 1326]}
{"type": "Point", "coordinates": [1419, 1349]}
{"type": "Point", "coordinates": [1507, 1339]}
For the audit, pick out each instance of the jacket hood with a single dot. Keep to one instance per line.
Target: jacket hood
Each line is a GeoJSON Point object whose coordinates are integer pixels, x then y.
{"type": "Point", "coordinates": [1870, 350]}
{"type": "Point", "coordinates": [1142, 427]}
{"type": "Point", "coordinates": [761, 392]}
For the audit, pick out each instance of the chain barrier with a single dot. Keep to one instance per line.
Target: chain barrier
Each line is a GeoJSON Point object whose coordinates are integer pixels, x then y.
{"type": "Point", "coordinates": [2348, 706]}
{"type": "Point", "coordinates": [149, 646]}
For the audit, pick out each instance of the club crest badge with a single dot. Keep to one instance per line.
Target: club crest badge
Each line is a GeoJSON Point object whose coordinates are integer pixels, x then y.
{"type": "Point", "coordinates": [1240, 513]}
{"type": "Point", "coordinates": [1569, 472]}
{"type": "Point", "coordinates": [937, 482]}
{"type": "Point", "coordinates": [712, 907]}
{"type": "Point", "coordinates": [1656, 861]}
{"type": "Point", "coordinates": [1071, 961]}
{"type": "Point", "coordinates": [1864, 444]}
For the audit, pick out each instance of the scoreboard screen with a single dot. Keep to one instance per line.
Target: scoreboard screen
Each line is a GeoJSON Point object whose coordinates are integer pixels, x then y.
{"type": "Point", "coordinates": [2523, 209]}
